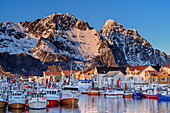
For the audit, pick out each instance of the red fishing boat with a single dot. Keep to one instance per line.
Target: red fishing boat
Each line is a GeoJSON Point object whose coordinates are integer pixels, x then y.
{"type": "Point", "coordinates": [127, 92]}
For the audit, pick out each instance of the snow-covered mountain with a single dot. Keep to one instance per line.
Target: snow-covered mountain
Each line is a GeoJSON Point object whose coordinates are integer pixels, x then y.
{"type": "Point", "coordinates": [134, 48]}
{"type": "Point", "coordinates": [61, 38]}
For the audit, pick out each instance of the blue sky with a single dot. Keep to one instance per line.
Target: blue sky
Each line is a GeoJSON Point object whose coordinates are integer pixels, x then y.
{"type": "Point", "coordinates": [149, 17]}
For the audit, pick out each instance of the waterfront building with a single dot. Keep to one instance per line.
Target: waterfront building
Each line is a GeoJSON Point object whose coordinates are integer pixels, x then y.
{"type": "Point", "coordinates": [99, 72]}
{"type": "Point", "coordinates": [110, 79]}
{"type": "Point", "coordinates": [84, 74]}
{"type": "Point", "coordinates": [154, 77]}
{"type": "Point", "coordinates": [136, 75]}
{"type": "Point", "coordinates": [167, 69]}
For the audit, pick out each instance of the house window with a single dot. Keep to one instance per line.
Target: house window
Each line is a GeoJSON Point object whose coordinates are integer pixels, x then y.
{"type": "Point", "coordinates": [153, 80]}
{"type": "Point", "coordinates": [163, 79]}
{"type": "Point", "coordinates": [88, 73]}
{"type": "Point", "coordinates": [164, 73]}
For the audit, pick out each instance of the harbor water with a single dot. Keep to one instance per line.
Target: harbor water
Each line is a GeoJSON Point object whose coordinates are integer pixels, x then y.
{"type": "Point", "coordinates": [100, 104]}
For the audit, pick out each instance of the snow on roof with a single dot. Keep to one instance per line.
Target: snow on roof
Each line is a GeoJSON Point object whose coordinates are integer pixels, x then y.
{"type": "Point", "coordinates": [112, 73]}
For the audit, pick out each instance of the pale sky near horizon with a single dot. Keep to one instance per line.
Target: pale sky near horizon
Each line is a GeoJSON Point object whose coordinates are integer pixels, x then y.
{"type": "Point", "coordinates": [149, 17]}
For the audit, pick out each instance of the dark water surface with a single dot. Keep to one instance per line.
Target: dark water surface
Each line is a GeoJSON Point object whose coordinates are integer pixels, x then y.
{"type": "Point", "coordinates": [100, 104]}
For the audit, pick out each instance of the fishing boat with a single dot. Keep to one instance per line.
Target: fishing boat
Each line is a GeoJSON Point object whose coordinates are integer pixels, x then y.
{"type": "Point", "coordinates": [137, 94]}
{"type": "Point", "coordinates": [16, 99]}
{"type": "Point", "coordinates": [37, 100]}
{"type": "Point", "coordinates": [84, 85]}
{"type": "Point", "coordinates": [93, 92]}
{"type": "Point", "coordinates": [111, 93]}
{"type": "Point", "coordinates": [2, 100]}
{"type": "Point", "coordinates": [53, 97]}
{"type": "Point", "coordinates": [127, 93]}
{"type": "Point", "coordinates": [119, 90]}
{"type": "Point", "coordinates": [164, 94]}
{"type": "Point", "coordinates": [150, 93]}
{"type": "Point", "coordinates": [70, 95]}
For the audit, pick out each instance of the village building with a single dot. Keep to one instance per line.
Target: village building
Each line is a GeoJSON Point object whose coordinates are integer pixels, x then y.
{"type": "Point", "coordinates": [167, 69]}
{"type": "Point", "coordinates": [110, 79]}
{"type": "Point", "coordinates": [156, 79]}
{"type": "Point", "coordinates": [135, 76]}
{"type": "Point", "coordinates": [100, 72]}
{"type": "Point", "coordinates": [84, 74]}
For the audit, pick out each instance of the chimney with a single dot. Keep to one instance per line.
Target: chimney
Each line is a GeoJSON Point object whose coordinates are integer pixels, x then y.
{"type": "Point", "coordinates": [137, 65]}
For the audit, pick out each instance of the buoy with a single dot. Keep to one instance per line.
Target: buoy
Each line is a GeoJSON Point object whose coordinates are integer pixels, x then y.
{"type": "Point", "coordinates": [26, 111]}
{"type": "Point", "coordinates": [27, 104]}
{"type": "Point", "coordinates": [43, 98]}
{"type": "Point", "coordinates": [47, 110]}
{"type": "Point", "coordinates": [48, 103]}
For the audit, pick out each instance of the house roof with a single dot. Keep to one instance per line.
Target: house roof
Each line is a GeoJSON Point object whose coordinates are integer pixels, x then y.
{"type": "Point", "coordinates": [168, 67]}
{"type": "Point", "coordinates": [139, 68]}
{"type": "Point", "coordinates": [112, 73]}
{"type": "Point", "coordinates": [67, 72]}
{"type": "Point", "coordinates": [55, 73]}
{"type": "Point", "coordinates": [156, 72]}
{"type": "Point", "coordinates": [84, 72]}
{"type": "Point", "coordinates": [104, 70]}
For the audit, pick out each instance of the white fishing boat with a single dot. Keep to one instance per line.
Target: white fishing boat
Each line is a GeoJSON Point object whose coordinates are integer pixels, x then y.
{"type": "Point", "coordinates": [111, 93]}
{"type": "Point", "coordinates": [16, 99]}
{"type": "Point", "coordinates": [84, 85]}
{"type": "Point", "coordinates": [70, 95]}
{"type": "Point", "coordinates": [37, 100]}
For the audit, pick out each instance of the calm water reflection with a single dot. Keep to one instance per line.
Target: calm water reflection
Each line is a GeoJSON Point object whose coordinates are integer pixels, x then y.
{"type": "Point", "coordinates": [100, 104]}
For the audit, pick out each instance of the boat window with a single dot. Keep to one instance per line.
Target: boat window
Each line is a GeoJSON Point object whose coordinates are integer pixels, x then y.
{"type": "Point", "coordinates": [75, 89]}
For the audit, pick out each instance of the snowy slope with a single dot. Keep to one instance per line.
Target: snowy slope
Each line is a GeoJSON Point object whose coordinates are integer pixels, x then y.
{"type": "Point", "coordinates": [15, 39]}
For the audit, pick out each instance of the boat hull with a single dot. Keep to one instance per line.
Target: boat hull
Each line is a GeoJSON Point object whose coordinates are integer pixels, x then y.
{"type": "Point", "coordinates": [111, 95]}
{"type": "Point", "coordinates": [163, 97]}
{"type": "Point", "coordinates": [16, 103]}
{"type": "Point", "coordinates": [84, 92]}
{"type": "Point", "coordinates": [136, 94]}
{"type": "Point", "coordinates": [128, 96]}
{"type": "Point", "coordinates": [52, 102]}
{"type": "Point", "coordinates": [151, 96]}
{"type": "Point", "coordinates": [37, 104]}
{"type": "Point", "coordinates": [69, 101]}
{"type": "Point", "coordinates": [2, 104]}
{"type": "Point", "coordinates": [93, 93]}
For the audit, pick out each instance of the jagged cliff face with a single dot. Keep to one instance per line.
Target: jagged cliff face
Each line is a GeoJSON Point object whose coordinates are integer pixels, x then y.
{"type": "Point", "coordinates": [61, 38]}
{"type": "Point", "coordinates": [133, 48]}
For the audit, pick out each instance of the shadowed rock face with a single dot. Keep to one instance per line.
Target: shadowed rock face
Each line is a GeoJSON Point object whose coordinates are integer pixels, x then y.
{"type": "Point", "coordinates": [22, 64]}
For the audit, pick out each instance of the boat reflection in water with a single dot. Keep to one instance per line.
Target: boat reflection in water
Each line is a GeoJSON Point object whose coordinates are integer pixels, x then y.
{"type": "Point", "coordinates": [37, 111]}
{"type": "Point", "coordinates": [120, 105]}
{"type": "Point", "coordinates": [100, 104]}
{"type": "Point", "coordinates": [14, 111]}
